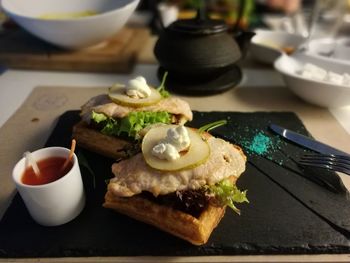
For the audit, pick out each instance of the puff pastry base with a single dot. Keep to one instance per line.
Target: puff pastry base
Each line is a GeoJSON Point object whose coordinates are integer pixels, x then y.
{"type": "Point", "coordinates": [93, 140]}
{"type": "Point", "coordinates": [195, 230]}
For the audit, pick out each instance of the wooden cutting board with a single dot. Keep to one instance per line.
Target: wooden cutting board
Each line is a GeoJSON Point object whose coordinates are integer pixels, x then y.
{"type": "Point", "coordinates": [20, 50]}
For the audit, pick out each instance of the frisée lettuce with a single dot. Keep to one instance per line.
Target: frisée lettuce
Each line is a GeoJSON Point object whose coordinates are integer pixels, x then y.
{"type": "Point", "coordinates": [226, 193]}
{"type": "Point", "coordinates": [131, 124]}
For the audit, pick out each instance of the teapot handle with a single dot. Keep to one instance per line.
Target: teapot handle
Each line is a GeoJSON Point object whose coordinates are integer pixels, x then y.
{"type": "Point", "coordinates": [243, 40]}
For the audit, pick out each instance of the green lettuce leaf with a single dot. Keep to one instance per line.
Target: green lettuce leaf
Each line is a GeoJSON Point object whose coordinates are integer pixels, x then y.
{"type": "Point", "coordinates": [98, 117]}
{"type": "Point", "coordinates": [226, 193]}
{"type": "Point", "coordinates": [131, 124]}
{"type": "Point", "coordinates": [136, 121]}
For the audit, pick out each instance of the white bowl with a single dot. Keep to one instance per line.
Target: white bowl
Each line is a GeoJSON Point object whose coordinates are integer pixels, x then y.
{"type": "Point", "coordinates": [266, 46]}
{"type": "Point", "coordinates": [71, 33]}
{"type": "Point", "coordinates": [317, 92]}
{"type": "Point", "coordinates": [330, 49]}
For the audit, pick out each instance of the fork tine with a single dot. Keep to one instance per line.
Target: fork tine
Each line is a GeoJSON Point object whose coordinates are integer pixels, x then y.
{"type": "Point", "coordinates": [325, 163]}
{"type": "Point", "coordinates": [331, 156]}
{"type": "Point", "coordinates": [341, 157]}
{"type": "Point", "coordinates": [328, 158]}
{"type": "Point", "coordinates": [326, 166]}
{"type": "Point", "coordinates": [331, 162]}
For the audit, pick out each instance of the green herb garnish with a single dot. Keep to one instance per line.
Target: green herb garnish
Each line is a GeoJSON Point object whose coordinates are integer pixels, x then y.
{"type": "Point", "coordinates": [161, 89]}
{"type": "Point", "coordinates": [210, 126]}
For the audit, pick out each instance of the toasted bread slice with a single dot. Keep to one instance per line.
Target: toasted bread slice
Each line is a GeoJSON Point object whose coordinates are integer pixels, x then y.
{"type": "Point", "coordinates": [93, 140]}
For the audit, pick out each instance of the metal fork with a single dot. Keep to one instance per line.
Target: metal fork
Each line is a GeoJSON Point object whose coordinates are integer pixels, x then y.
{"type": "Point", "coordinates": [338, 163]}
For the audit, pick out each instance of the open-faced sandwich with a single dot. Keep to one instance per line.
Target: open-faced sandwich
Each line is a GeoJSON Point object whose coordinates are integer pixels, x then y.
{"type": "Point", "coordinates": [111, 122]}
{"type": "Point", "coordinates": [181, 182]}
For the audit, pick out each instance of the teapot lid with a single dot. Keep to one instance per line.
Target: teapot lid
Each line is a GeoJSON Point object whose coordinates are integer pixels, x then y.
{"type": "Point", "coordinates": [198, 26]}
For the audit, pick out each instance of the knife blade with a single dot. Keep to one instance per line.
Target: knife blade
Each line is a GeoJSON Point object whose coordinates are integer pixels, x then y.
{"type": "Point", "coordinates": [305, 141]}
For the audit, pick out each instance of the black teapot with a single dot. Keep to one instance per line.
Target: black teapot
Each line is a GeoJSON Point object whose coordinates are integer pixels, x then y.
{"type": "Point", "coordinates": [201, 55]}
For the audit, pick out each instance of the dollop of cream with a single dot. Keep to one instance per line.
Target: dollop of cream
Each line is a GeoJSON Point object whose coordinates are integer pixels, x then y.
{"type": "Point", "coordinates": [138, 88]}
{"type": "Point", "coordinates": [176, 141]}
{"type": "Point", "coordinates": [165, 151]}
{"type": "Point", "coordinates": [179, 138]}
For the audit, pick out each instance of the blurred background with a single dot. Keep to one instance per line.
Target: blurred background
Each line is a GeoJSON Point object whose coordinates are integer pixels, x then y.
{"type": "Point", "coordinates": [245, 13]}
{"type": "Point", "coordinates": [292, 16]}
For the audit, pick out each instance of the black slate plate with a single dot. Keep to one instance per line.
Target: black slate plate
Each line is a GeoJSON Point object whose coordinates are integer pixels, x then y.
{"type": "Point", "coordinates": [290, 212]}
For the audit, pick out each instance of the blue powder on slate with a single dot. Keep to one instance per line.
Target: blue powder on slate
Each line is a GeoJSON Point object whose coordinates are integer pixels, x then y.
{"type": "Point", "coordinates": [260, 144]}
{"type": "Point", "coordinates": [263, 145]}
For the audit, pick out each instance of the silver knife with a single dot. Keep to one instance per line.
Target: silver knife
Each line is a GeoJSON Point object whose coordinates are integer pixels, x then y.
{"type": "Point", "coordinates": [305, 141]}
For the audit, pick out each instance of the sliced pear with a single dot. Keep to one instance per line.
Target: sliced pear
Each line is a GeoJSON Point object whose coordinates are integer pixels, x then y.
{"type": "Point", "coordinates": [117, 94]}
{"type": "Point", "coordinates": [196, 155]}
